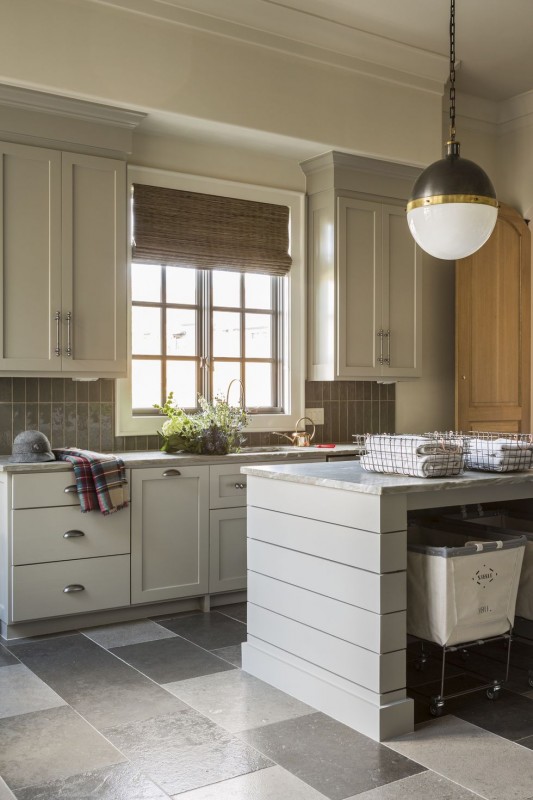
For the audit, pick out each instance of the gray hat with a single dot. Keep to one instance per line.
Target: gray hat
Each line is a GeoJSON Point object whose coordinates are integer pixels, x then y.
{"type": "Point", "coordinates": [31, 446]}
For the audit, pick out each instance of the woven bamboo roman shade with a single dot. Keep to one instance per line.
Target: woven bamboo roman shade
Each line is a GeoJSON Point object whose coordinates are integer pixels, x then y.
{"type": "Point", "coordinates": [188, 229]}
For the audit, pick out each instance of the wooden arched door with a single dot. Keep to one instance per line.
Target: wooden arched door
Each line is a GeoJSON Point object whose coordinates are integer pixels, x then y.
{"type": "Point", "coordinates": [493, 330]}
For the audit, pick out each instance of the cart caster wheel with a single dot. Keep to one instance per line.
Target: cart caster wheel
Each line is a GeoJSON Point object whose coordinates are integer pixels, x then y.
{"type": "Point", "coordinates": [436, 708]}
{"type": "Point", "coordinates": [465, 654]}
{"type": "Point", "coordinates": [420, 665]}
{"type": "Point", "coordinates": [494, 693]}
{"type": "Point", "coordinates": [530, 680]}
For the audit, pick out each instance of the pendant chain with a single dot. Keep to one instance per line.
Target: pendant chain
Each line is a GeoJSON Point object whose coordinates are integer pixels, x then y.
{"type": "Point", "coordinates": [452, 70]}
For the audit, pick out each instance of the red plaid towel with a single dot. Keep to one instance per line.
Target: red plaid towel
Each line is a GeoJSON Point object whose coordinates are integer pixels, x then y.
{"type": "Point", "coordinates": [100, 479]}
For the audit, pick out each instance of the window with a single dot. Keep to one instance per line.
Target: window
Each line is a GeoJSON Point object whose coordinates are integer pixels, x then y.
{"type": "Point", "coordinates": [194, 330]}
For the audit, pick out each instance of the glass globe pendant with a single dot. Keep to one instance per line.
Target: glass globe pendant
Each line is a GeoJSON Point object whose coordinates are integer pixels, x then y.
{"type": "Point", "coordinates": [453, 209]}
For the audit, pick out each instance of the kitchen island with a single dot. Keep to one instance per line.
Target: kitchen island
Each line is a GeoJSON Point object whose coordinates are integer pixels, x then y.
{"type": "Point", "coordinates": [327, 553]}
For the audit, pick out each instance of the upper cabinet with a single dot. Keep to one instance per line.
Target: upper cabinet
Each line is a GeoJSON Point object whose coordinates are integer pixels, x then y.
{"type": "Point", "coordinates": [63, 263]}
{"type": "Point", "coordinates": [364, 278]}
{"type": "Point", "coordinates": [493, 330]}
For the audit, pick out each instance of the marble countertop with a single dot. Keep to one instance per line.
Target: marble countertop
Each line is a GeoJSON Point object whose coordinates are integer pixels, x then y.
{"type": "Point", "coordinates": [155, 458]}
{"type": "Point", "coordinates": [350, 476]}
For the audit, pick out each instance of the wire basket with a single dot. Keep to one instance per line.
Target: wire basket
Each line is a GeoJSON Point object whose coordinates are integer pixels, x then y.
{"type": "Point", "coordinates": [495, 451]}
{"type": "Point", "coordinates": [419, 456]}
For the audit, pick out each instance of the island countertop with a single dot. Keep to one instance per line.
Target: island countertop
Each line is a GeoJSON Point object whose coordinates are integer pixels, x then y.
{"type": "Point", "coordinates": [351, 477]}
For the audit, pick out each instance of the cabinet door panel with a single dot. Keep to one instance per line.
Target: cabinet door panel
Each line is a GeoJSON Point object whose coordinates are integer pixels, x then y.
{"type": "Point", "coordinates": [94, 263]}
{"type": "Point", "coordinates": [359, 288]}
{"type": "Point", "coordinates": [30, 281]}
{"type": "Point", "coordinates": [227, 550]}
{"type": "Point", "coordinates": [403, 286]}
{"type": "Point", "coordinates": [169, 537]}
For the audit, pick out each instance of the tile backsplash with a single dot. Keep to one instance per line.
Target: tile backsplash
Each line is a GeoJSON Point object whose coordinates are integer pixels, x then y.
{"type": "Point", "coordinates": [82, 414]}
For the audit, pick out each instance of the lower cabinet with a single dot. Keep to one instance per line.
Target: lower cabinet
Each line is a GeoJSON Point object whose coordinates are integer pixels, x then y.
{"type": "Point", "coordinates": [169, 533]}
{"type": "Point", "coordinates": [227, 549]}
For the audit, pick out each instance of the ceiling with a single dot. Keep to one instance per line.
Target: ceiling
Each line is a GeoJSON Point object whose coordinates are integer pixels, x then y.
{"type": "Point", "coordinates": [493, 37]}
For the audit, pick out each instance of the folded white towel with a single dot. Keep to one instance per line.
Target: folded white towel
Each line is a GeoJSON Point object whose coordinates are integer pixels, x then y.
{"type": "Point", "coordinates": [498, 446]}
{"type": "Point", "coordinates": [409, 444]}
{"type": "Point", "coordinates": [420, 466]}
{"type": "Point", "coordinates": [499, 462]}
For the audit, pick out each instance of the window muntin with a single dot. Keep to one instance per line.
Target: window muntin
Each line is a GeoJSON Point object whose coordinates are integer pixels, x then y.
{"type": "Point", "coordinates": [194, 331]}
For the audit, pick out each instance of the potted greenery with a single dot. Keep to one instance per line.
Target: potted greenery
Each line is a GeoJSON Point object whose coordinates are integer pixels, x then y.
{"type": "Point", "coordinates": [214, 430]}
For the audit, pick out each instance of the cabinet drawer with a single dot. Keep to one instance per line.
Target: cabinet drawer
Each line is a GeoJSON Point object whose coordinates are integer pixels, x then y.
{"type": "Point", "coordinates": [38, 588]}
{"type": "Point", "coordinates": [39, 490]}
{"type": "Point", "coordinates": [227, 486]}
{"type": "Point", "coordinates": [53, 534]}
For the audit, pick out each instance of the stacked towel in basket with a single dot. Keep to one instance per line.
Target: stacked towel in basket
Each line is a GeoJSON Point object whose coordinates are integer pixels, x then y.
{"type": "Point", "coordinates": [419, 456]}
{"type": "Point", "coordinates": [100, 479]}
{"type": "Point", "coordinates": [499, 455]}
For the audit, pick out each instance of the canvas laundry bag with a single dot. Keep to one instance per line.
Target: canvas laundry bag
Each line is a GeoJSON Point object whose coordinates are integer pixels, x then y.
{"type": "Point", "coordinates": [461, 587]}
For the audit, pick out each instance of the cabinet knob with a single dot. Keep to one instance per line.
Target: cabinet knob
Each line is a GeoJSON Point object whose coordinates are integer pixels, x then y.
{"type": "Point", "coordinates": [73, 587]}
{"type": "Point", "coordinates": [171, 473]}
{"type": "Point", "coordinates": [70, 489]}
{"type": "Point", "coordinates": [240, 486]}
{"type": "Point", "coordinates": [463, 377]}
{"type": "Point", "coordinates": [73, 534]}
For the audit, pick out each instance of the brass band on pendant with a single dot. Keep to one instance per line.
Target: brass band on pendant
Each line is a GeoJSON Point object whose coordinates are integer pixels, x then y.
{"type": "Point", "coordinates": [439, 199]}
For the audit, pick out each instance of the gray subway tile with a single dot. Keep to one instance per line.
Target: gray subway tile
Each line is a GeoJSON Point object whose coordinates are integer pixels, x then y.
{"type": "Point", "coordinates": [70, 391]}
{"type": "Point", "coordinates": [6, 390]}
{"type": "Point", "coordinates": [19, 390]}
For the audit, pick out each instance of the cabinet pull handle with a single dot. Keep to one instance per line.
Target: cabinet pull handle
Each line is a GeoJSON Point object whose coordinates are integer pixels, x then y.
{"type": "Point", "coordinates": [380, 334]}
{"type": "Point", "coordinates": [70, 489]}
{"type": "Point", "coordinates": [57, 317]}
{"type": "Point", "coordinates": [387, 358]}
{"type": "Point", "coordinates": [240, 486]}
{"type": "Point", "coordinates": [69, 334]}
{"type": "Point", "coordinates": [73, 534]}
{"type": "Point", "coordinates": [171, 473]}
{"type": "Point", "coordinates": [73, 587]}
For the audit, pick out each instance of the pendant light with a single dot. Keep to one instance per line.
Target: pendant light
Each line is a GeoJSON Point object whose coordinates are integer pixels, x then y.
{"type": "Point", "coordinates": [452, 210]}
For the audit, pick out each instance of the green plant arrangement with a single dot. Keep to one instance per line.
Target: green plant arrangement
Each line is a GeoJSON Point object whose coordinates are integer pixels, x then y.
{"type": "Point", "coordinates": [214, 430]}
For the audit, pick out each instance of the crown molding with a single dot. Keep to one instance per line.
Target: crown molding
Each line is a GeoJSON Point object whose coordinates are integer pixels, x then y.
{"type": "Point", "coordinates": [30, 100]}
{"type": "Point", "coordinates": [302, 35]}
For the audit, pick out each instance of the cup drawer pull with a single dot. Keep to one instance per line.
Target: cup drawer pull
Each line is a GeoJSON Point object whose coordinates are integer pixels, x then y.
{"type": "Point", "coordinates": [171, 473]}
{"type": "Point", "coordinates": [240, 486]}
{"type": "Point", "coordinates": [70, 489]}
{"type": "Point", "coordinates": [73, 587]}
{"type": "Point", "coordinates": [73, 534]}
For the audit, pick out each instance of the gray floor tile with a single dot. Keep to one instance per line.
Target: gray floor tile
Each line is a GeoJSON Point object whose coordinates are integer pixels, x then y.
{"type": "Point", "coordinates": [236, 611]}
{"type": "Point", "coordinates": [334, 759]}
{"type": "Point", "coordinates": [211, 631]}
{"type": "Point", "coordinates": [511, 716]}
{"type": "Point", "coordinates": [238, 701]}
{"type": "Point", "coordinates": [233, 654]}
{"type": "Point", "coordinates": [488, 765]}
{"type": "Point", "coordinates": [526, 742]}
{"type": "Point", "coordinates": [143, 630]}
{"type": "Point", "coordinates": [184, 751]}
{"type": "Point", "coordinates": [273, 783]}
{"type": "Point", "coordinates": [6, 658]}
{"type": "Point", "coordinates": [119, 782]}
{"type": "Point", "coordinates": [423, 786]}
{"type": "Point", "coordinates": [50, 745]}
{"type": "Point", "coordinates": [22, 692]}
{"type": "Point", "coordinates": [170, 660]}
{"type": "Point", "coordinates": [5, 792]}
{"type": "Point", "coordinates": [101, 687]}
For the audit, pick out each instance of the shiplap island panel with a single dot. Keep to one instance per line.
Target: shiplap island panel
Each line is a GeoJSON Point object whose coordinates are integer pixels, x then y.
{"type": "Point", "coordinates": [327, 551]}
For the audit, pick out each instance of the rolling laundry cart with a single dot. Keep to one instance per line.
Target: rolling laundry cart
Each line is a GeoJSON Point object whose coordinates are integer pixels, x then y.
{"type": "Point", "coordinates": [461, 591]}
{"type": "Point", "coordinates": [510, 521]}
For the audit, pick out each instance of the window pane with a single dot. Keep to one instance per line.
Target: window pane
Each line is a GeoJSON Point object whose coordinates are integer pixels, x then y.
{"type": "Point", "coordinates": [181, 379]}
{"type": "Point", "coordinates": [181, 285]}
{"type": "Point", "coordinates": [146, 384]}
{"type": "Point", "coordinates": [181, 332]}
{"type": "Point", "coordinates": [146, 282]}
{"type": "Point", "coordinates": [258, 339]}
{"type": "Point", "coordinates": [223, 373]}
{"type": "Point", "coordinates": [226, 288]}
{"type": "Point", "coordinates": [146, 330]}
{"type": "Point", "coordinates": [259, 385]}
{"type": "Point", "coordinates": [226, 334]}
{"type": "Point", "coordinates": [258, 291]}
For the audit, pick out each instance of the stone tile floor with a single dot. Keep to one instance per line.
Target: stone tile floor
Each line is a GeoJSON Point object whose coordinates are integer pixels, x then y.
{"type": "Point", "coordinates": [160, 709]}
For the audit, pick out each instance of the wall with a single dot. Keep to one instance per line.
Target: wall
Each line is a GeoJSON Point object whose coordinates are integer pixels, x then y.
{"type": "Point", "coordinates": [81, 414]}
